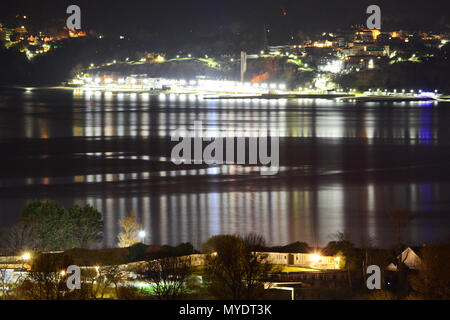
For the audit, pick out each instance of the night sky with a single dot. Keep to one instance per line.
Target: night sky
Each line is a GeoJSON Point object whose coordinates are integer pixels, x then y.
{"type": "Point", "coordinates": [206, 18]}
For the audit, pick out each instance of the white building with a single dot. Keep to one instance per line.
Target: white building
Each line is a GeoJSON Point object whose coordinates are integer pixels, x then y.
{"type": "Point", "coordinates": [409, 258]}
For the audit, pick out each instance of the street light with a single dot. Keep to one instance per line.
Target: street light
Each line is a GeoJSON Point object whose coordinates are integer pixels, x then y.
{"type": "Point", "coordinates": [142, 235]}
{"type": "Point", "coordinates": [315, 257]}
{"type": "Point", "coordinates": [26, 256]}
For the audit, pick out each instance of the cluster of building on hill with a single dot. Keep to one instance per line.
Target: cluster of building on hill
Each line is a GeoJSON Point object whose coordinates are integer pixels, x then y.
{"type": "Point", "coordinates": [362, 48]}
{"type": "Point", "coordinates": [34, 43]}
{"type": "Point", "coordinates": [326, 54]}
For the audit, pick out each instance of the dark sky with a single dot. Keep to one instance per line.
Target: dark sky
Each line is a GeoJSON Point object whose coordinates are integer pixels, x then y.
{"type": "Point", "coordinates": [166, 16]}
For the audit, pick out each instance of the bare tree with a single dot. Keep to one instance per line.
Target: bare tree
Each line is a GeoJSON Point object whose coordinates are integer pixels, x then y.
{"type": "Point", "coordinates": [400, 219]}
{"type": "Point", "coordinates": [90, 279]}
{"type": "Point", "coordinates": [168, 275]}
{"type": "Point", "coordinates": [110, 276]}
{"type": "Point", "coordinates": [22, 236]}
{"type": "Point", "coordinates": [47, 278]}
{"type": "Point", "coordinates": [235, 270]}
{"type": "Point", "coordinates": [256, 265]}
{"type": "Point", "coordinates": [130, 227]}
{"type": "Point", "coordinates": [432, 281]}
{"type": "Point", "coordinates": [96, 281]}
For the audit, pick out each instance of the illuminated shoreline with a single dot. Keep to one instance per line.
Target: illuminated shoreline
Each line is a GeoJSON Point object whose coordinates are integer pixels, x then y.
{"type": "Point", "coordinates": [223, 95]}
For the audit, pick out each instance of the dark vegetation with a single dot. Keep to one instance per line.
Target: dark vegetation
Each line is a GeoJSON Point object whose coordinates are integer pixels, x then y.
{"type": "Point", "coordinates": [49, 226]}
{"type": "Point", "coordinates": [428, 75]}
{"type": "Point", "coordinates": [72, 56]}
{"type": "Point", "coordinates": [63, 62]}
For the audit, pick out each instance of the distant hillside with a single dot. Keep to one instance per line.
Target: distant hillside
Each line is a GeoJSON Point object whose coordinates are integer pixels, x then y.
{"type": "Point", "coordinates": [272, 70]}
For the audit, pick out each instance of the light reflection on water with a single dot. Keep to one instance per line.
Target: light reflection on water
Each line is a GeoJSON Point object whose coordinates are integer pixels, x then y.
{"type": "Point", "coordinates": [281, 216]}
{"type": "Point", "coordinates": [120, 114]}
{"type": "Point", "coordinates": [311, 213]}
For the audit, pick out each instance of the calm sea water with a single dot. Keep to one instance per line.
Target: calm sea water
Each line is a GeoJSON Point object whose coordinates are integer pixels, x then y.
{"type": "Point", "coordinates": [343, 165]}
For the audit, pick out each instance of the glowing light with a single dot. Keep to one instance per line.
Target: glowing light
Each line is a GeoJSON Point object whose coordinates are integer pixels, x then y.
{"type": "Point", "coordinates": [160, 59]}
{"type": "Point", "coordinates": [315, 257]}
{"type": "Point", "coordinates": [325, 44]}
{"type": "Point", "coordinates": [26, 256]}
{"type": "Point", "coordinates": [427, 94]}
{"type": "Point", "coordinates": [375, 33]}
{"type": "Point", "coordinates": [142, 234]}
